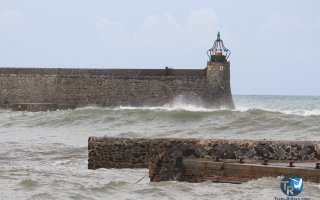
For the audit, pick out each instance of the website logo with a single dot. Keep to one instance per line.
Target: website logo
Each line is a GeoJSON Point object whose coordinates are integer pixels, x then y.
{"type": "Point", "coordinates": [291, 185]}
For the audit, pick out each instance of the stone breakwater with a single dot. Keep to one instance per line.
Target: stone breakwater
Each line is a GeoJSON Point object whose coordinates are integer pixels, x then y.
{"type": "Point", "coordinates": [106, 152]}
{"type": "Point", "coordinates": [71, 88]}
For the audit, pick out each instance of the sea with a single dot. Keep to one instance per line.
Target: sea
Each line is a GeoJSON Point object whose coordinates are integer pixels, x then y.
{"type": "Point", "coordinates": [43, 155]}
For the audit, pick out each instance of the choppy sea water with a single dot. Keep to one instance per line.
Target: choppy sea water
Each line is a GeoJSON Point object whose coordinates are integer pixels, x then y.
{"type": "Point", "coordinates": [43, 155]}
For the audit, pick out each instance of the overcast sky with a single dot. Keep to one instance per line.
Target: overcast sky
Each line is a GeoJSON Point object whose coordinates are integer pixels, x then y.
{"type": "Point", "coordinates": [275, 44]}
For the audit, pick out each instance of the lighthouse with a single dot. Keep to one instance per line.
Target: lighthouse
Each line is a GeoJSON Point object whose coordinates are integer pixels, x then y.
{"type": "Point", "coordinates": [218, 52]}
{"type": "Point", "coordinates": [218, 74]}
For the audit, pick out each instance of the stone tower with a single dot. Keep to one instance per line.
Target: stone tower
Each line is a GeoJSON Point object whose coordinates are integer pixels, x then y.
{"type": "Point", "coordinates": [218, 75]}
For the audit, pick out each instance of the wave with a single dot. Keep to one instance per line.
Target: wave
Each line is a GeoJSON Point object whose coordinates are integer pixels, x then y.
{"type": "Point", "coordinates": [196, 108]}
{"type": "Point", "coordinates": [301, 106]}
{"type": "Point", "coordinates": [300, 112]}
{"type": "Point", "coordinates": [288, 105]}
{"type": "Point", "coordinates": [254, 119]}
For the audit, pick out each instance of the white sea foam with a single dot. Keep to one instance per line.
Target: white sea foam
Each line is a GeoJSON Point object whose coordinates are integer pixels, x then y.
{"type": "Point", "coordinates": [180, 103]}
{"type": "Point", "coordinates": [187, 107]}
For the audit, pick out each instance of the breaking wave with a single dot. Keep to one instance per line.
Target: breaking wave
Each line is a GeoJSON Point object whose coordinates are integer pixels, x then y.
{"type": "Point", "coordinates": [290, 105]}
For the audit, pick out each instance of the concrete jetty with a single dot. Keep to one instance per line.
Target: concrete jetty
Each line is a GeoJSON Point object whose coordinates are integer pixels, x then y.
{"type": "Point", "coordinates": [232, 171]}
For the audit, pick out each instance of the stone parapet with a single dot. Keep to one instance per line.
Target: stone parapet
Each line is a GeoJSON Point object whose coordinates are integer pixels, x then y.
{"type": "Point", "coordinates": [196, 160]}
{"type": "Point", "coordinates": [106, 152]}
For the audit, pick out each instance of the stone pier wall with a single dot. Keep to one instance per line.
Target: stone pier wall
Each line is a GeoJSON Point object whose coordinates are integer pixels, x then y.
{"type": "Point", "coordinates": [106, 152]}
{"type": "Point", "coordinates": [71, 88]}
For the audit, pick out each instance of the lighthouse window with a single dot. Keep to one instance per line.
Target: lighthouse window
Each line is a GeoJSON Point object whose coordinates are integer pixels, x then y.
{"type": "Point", "coordinates": [221, 68]}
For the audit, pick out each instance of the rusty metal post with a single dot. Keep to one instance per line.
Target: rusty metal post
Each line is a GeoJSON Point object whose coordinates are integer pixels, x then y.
{"type": "Point", "coordinates": [265, 162]}
{"type": "Point", "coordinates": [291, 164]}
